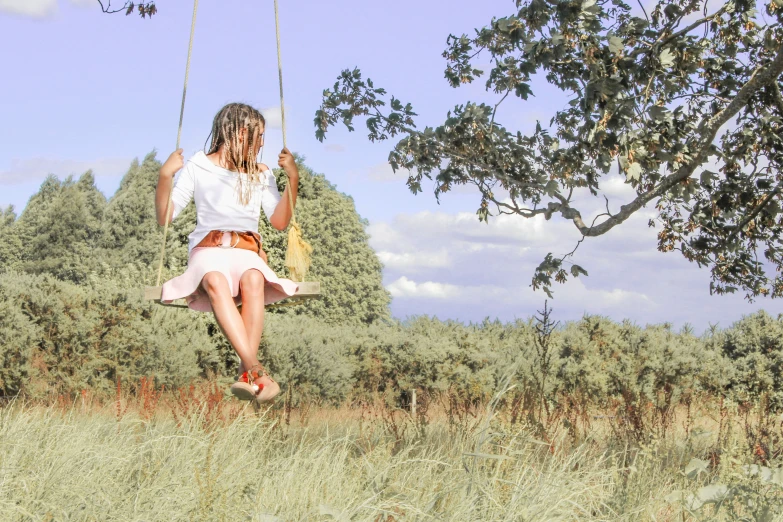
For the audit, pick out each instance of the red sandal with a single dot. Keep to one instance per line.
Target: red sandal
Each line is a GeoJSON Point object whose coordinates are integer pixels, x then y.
{"type": "Point", "coordinates": [246, 390]}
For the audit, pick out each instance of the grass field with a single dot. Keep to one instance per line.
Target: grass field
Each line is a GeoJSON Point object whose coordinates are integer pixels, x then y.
{"type": "Point", "coordinates": [171, 457]}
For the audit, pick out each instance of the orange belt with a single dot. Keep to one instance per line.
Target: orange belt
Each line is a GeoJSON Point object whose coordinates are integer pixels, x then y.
{"type": "Point", "coordinates": [232, 239]}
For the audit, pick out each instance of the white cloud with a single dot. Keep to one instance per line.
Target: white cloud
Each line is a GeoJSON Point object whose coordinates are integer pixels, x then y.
{"type": "Point", "coordinates": [381, 173]}
{"type": "Point", "coordinates": [614, 186]}
{"type": "Point", "coordinates": [32, 169]}
{"type": "Point", "coordinates": [273, 117]}
{"type": "Point", "coordinates": [451, 266]}
{"type": "Point", "coordinates": [404, 287]}
{"type": "Point", "coordinates": [385, 236]}
{"type": "Point", "coordinates": [32, 8]}
{"type": "Point", "coordinates": [598, 300]}
{"type": "Point", "coordinates": [508, 300]}
{"type": "Point", "coordinates": [465, 229]}
{"type": "Point", "coordinates": [414, 260]}
{"type": "Point", "coordinates": [334, 147]}
{"type": "Point", "coordinates": [40, 8]}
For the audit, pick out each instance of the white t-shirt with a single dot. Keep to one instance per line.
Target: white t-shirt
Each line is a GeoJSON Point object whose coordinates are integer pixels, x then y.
{"type": "Point", "coordinates": [214, 190]}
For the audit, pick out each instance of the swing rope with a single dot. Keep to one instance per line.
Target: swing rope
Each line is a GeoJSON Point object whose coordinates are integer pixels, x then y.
{"type": "Point", "coordinates": [179, 137]}
{"type": "Point", "coordinates": [297, 257]}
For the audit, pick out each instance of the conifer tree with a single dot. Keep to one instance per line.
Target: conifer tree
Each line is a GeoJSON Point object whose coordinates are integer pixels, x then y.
{"type": "Point", "coordinates": [10, 244]}
{"type": "Point", "coordinates": [343, 261]}
{"type": "Point", "coordinates": [60, 228]}
{"type": "Point", "coordinates": [130, 230]}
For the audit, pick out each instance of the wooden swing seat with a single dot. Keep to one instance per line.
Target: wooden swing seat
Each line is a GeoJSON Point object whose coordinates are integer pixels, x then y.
{"type": "Point", "coordinates": [304, 291]}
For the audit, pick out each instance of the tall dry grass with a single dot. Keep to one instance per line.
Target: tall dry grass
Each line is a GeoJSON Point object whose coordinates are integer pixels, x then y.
{"type": "Point", "coordinates": [198, 456]}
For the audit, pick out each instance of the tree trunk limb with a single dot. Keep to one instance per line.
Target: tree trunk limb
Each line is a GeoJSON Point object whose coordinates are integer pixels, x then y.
{"type": "Point", "coordinates": [760, 78]}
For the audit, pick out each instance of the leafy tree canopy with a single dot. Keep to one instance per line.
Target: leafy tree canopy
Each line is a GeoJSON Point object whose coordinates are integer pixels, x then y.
{"type": "Point", "coordinates": [657, 95]}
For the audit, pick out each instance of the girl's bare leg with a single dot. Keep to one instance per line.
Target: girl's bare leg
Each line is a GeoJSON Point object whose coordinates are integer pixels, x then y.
{"type": "Point", "coordinates": [228, 317]}
{"type": "Point", "coordinates": [251, 286]}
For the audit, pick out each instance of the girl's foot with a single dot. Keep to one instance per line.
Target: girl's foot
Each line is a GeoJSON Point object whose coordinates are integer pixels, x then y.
{"type": "Point", "coordinates": [243, 390]}
{"type": "Point", "coordinates": [261, 389]}
{"type": "Point", "coordinates": [270, 388]}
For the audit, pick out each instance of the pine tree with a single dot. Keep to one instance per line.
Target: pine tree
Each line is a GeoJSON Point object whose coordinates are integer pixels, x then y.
{"type": "Point", "coordinates": [69, 230]}
{"type": "Point", "coordinates": [10, 243]}
{"type": "Point", "coordinates": [342, 261]}
{"type": "Point", "coordinates": [130, 231]}
{"type": "Point", "coordinates": [60, 228]}
{"type": "Point", "coordinates": [32, 217]}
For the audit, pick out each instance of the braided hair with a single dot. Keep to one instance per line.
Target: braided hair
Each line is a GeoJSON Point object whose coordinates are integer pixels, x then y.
{"type": "Point", "coordinates": [238, 157]}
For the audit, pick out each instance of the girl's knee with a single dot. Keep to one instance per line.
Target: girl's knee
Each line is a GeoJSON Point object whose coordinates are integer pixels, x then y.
{"type": "Point", "coordinates": [252, 281]}
{"type": "Point", "coordinates": [214, 282]}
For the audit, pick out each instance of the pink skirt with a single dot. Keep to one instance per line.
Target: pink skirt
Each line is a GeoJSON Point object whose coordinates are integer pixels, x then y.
{"type": "Point", "coordinates": [232, 263]}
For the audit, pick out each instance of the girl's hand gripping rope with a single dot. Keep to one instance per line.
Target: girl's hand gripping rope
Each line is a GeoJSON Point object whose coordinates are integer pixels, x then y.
{"type": "Point", "coordinates": [287, 162]}
{"type": "Point", "coordinates": [173, 164]}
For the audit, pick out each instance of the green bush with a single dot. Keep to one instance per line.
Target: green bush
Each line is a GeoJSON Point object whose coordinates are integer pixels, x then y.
{"type": "Point", "coordinates": [753, 349]}
{"type": "Point", "coordinates": [57, 337]}
{"type": "Point", "coordinates": [310, 356]}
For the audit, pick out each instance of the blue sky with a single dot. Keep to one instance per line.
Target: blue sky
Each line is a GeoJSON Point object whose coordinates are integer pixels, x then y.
{"type": "Point", "coordinates": [87, 90]}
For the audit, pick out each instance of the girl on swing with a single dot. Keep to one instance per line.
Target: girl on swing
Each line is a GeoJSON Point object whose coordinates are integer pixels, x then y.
{"type": "Point", "coordinates": [226, 263]}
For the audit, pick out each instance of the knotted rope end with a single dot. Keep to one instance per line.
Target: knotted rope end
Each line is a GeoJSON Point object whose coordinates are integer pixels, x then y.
{"type": "Point", "coordinates": [297, 257]}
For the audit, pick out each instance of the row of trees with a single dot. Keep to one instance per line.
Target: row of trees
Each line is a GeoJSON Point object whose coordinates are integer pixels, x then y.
{"type": "Point", "coordinates": [73, 265]}
{"type": "Point", "coordinates": [70, 230]}
{"type": "Point", "coordinates": [57, 337]}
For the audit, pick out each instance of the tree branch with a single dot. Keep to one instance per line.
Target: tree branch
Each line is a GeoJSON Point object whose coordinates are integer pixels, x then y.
{"type": "Point", "coordinates": [778, 97]}
{"type": "Point", "coordinates": [644, 10]}
{"type": "Point", "coordinates": [144, 8]}
{"type": "Point", "coordinates": [495, 110]}
{"type": "Point", "coordinates": [755, 212]}
{"type": "Point", "coordinates": [688, 29]}
{"type": "Point", "coordinates": [524, 212]}
{"type": "Point", "coordinates": [108, 10]}
{"type": "Point", "coordinates": [759, 79]}
{"type": "Point", "coordinates": [693, 26]}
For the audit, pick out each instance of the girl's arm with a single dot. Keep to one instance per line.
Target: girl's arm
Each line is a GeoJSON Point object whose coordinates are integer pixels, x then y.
{"type": "Point", "coordinates": [165, 180]}
{"type": "Point", "coordinates": [282, 214]}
